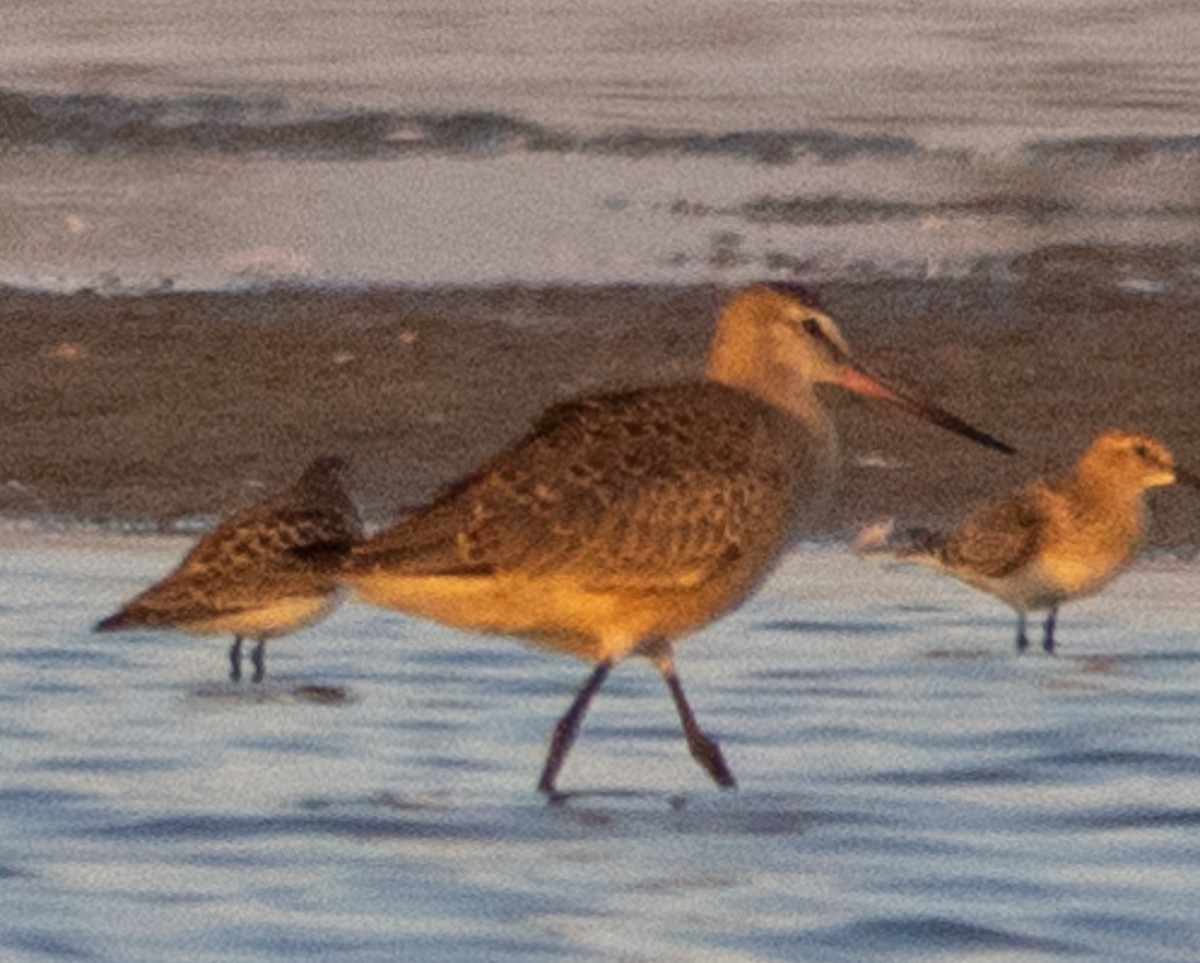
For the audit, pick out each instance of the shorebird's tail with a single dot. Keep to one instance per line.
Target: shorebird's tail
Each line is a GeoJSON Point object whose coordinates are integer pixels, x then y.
{"type": "Point", "coordinates": [115, 623]}
{"type": "Point", "coordinates": [909, 543]}
{"type": "Point", "coordinates": [135, 615]}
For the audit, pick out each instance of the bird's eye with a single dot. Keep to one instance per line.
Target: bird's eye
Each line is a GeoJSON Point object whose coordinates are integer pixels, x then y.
{"type": "Point", "coordinates": [812, 328]}
{"type": "Point", "coordinates": [1140, 451]}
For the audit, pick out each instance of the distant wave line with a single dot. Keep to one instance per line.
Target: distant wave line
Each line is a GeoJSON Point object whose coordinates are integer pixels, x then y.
{"type": "Point", "coordinates": [92, 123]}
{"type": "Point", "coordinates": [95, 123]}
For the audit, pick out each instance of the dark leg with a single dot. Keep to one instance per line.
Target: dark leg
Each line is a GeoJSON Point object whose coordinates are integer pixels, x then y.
{"type": "Point", "coordinates": [259, 658]}
{"type": "Point", "coordinates": [704, 749]}
{"type": "Point", "coordinates": [567, 728]}
{"type": "Point", "coordinates": [1048, 638]}
{"type": "Point", "coordinates": [235, 660]}
{"type": "Point", "coordinates": [1022, 638]}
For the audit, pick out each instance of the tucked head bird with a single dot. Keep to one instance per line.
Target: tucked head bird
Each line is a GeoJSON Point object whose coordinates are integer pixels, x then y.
{"type": "Point", "coordinates": [625, 520]}
{"type": "Point", "coordinates": [1054, 540]}
{"type": "Point", "coordinates": [262, 573]}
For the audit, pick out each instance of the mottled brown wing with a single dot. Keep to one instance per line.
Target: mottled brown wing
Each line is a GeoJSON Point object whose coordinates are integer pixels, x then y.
{"type": "Point", "coordinates": [275, 544]}
{"type": "Point", "coordinates": [272, 550]}
{"type": "Point", "coordinates": [655, 488]}
{"type": "Point", "coordinates": [292, 531]}
{"type": "Point", "coordinates": [998, 538]}
{"type": "Point", "coordinates": [179, 598]}
{"type": "Point", "coordinates": [288, 545]}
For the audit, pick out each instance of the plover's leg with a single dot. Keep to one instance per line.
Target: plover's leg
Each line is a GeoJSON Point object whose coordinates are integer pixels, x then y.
{"type": "Point", "coordinates": [1022, 638]}
{"type": "Point", "coordinates": [259, 658]}
{"type": "Point", "coordinates": [1048, 637]}
{"type": "Point", "coordinates": [235, 660]}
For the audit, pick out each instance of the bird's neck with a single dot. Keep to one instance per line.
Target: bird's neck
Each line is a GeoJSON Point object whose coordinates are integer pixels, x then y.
{"type": "Point", "coordinates": [775, 383]}
{"type": "Point", "coordinates": [810, 437]}
{"type": "Point", "coordinates": [1105, 503]}
{"type": "Point", "coordinates": [1105, 490]}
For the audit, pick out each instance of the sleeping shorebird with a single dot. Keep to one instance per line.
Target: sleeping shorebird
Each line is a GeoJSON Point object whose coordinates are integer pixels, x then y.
{"type": "Point", "coordinates": [262, 573]}
{"type": "Point", "coordinates": [623, 521]}
{"type": "Point", "coordinates": [1052, 541]}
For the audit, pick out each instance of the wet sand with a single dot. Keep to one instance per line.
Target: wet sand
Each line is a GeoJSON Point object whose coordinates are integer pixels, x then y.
{"type": "Point", "coordinates": [168, 405]}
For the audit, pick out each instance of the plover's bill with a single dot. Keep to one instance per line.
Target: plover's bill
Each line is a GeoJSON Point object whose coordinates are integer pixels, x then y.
{"type": "Point", "coordinates": [1052, 541]}
{"type": "Point", "coordinates": [625, 520]}
{"type": "Point", "coordinates": [264, 572]}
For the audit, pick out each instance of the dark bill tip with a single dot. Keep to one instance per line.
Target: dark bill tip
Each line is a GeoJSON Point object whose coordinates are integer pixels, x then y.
{"type": "Point", "coordinates": [952, 423]}
{"type": "Point", "coordinates": [858, 380]}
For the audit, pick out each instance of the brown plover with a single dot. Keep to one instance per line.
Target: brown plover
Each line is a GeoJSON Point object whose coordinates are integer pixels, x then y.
{"type": "Point", "coordinates": [260, 574]}
{"type": "Point", "coordinates": [1052, 541]}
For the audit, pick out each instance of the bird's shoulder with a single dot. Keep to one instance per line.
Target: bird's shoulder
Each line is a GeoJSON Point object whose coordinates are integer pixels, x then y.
{"type": "Point", "coordinates": [1002, 535]}
{"type": "Point", "coordinates": [280, 532]}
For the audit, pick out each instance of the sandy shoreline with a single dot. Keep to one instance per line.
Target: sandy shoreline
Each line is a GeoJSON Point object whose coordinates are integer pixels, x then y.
{"type": "Point", "coordinates": [177, 404]}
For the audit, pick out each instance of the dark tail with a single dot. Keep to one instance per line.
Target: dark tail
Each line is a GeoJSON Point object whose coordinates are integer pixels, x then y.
{"type": "Point", "coordinates": [919, 543]}
{"type": "Point", "coordinates": [907, 543]}
{"type": "Point", "coordinates": [124, 619]}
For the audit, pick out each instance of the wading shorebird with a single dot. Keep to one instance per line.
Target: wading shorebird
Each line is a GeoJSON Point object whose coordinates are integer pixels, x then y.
{"type": "Point", "coordinates": [260, 574]}
{"type": "Point", "coordinates": [624, 520]}
{"type": "Point", "coordinates": [1052, 541]}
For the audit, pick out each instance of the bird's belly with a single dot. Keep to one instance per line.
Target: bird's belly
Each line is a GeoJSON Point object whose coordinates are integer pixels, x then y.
{"type": "Point", "coordinates": [271, 619]}
{"type": "Point", "coordinates": [557, 612]}
{"type": "Point", "coordinates": [1079, 573]}
{"type": "Point", "coordinates": [1051, 579]}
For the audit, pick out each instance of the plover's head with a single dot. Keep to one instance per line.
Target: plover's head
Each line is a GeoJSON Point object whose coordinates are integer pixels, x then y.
{"type": "Point", "coordinates": [1133, 461]}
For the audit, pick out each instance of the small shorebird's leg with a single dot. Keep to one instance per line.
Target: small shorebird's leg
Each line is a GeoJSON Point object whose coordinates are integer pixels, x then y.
{"type": "Point", "coordinates": [1022, 638]}
{"type": "Point", "coordinates": [1048, 638]}
{"type": "Point", "coordinates": [235, 660]}
{"type": "Point", "coordinates": [703, 748]}
{"type": "Point", "coordinates": [259, 658]}
{"type": "Point", "coordinates": [567, 729]}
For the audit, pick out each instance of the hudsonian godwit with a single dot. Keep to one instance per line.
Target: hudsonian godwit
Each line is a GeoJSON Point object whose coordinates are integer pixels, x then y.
{"type": "Point", "coordinates": [625, 520]}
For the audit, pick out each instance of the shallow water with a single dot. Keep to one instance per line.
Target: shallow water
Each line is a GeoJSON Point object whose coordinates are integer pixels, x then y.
{"type": "Point", "coordinates": [197, 145]}
{"type": "Point", "coordinates": [910, 790]}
